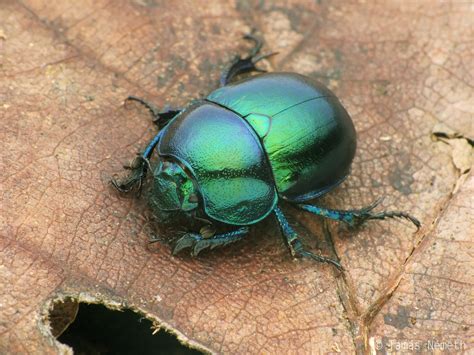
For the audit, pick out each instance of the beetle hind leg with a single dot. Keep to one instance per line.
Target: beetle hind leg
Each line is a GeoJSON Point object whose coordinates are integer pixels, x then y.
{"type": "Point", "coordinates": [197, 242]}
{"type": "Point", "coordinates": [245, 65]}
{"type": "Point", "coordinates": [296, 248]}
{"type": "Point", "coordinates": [357, 217]}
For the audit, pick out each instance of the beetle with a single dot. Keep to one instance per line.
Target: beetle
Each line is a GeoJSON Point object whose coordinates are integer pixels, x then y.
{"type": "Point", "coordinates": [231, 157]}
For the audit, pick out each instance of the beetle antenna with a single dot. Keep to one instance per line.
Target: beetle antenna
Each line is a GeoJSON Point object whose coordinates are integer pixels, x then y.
{"type": "Point", "coordinates": [155, 239]}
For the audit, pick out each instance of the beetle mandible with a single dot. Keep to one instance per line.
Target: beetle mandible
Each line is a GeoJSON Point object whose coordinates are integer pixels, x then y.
{"type": "Point", "coordinates": [231, 157]}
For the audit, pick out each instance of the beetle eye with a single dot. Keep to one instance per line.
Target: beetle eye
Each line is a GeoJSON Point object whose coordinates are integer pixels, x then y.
{"type": "Point", "coordinates": [193, 198]}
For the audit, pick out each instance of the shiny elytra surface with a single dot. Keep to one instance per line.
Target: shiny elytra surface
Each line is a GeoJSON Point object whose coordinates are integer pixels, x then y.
{"type": "Point", "coordinates": [306, 132]}
{"type": "Point", "coordinates": [226, 158]}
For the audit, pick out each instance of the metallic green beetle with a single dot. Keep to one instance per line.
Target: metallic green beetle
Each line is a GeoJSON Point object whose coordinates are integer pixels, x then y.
{"type": "Point", "coordinates": [231, 157]}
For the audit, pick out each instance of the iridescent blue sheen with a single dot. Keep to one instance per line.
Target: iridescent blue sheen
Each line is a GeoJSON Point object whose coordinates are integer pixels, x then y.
{"type": "Point", "coordinates": [225, 157]}
{"type": "Point", "coordinates": [232, 156]}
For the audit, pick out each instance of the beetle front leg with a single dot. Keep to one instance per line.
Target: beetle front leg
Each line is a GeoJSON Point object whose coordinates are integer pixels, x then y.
{"type": "Point", "coordinates": [296, 248]}
{"type": "Point", "coordinates": [141, 164]}
{"type": "Point", "coordinates": [197, 242]}
{"type": "Point", "coordinates": [245, 65]}
{"type": "Point", "coordinates": [357, 217]}
{"type": "Point", "coordinates": [139, 168]}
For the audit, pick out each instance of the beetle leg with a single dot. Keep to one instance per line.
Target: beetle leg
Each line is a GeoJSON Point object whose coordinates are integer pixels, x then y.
{"type": "Point", "coordinates": [141, 164]}
{"type": "Point", "coordinates": [198, 242]}
{"type": "Point", "coordinates": [160, 118]}
{"type": "Point", "coordinates": [296, 248]}
{"type": "Point", "coordinates": [357, 217]}
{"type": "Point", "coordinates": [139, 168]}
{"type": "Point", "coordinates": [241, 65]}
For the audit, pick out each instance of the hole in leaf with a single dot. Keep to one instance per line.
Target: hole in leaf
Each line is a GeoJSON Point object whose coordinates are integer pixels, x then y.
{"type": "Point", "coordinates": [95, 329]}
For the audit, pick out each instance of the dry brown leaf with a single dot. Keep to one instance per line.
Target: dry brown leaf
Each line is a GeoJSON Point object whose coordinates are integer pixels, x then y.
{"type": "Point", "coordinates": [400, 68]}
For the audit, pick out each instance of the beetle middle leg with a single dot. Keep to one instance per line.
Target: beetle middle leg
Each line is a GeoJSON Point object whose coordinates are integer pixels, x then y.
{"type": "Point", "coordinates": [197, 242]}
{"type": "Point", "coordinates": [160, 118]}
{"type": "Point", "coordinates": [296, 248]}
{"type": "Point", "coordinates": [356, 217]}
{"type": "Point", "coordinates": [245, 65]}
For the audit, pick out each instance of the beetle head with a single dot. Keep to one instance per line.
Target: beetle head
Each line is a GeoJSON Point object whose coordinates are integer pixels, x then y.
{"type": "Point", "coordinates": [173, 191]}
